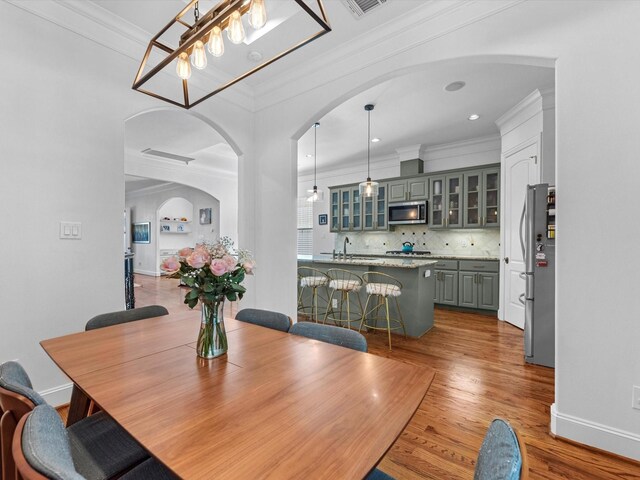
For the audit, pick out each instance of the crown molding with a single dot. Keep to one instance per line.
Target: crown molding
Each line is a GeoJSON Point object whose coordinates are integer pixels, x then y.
{"type": "Point", "coordinates": [522, 111]}
{"type": "Point", "coordinates": [479, 144]}
{"type": "Point", "coordinates": [134, 158]}
{"type": "Point", "coordinates": [163, 187]}
{"type": "Point", "coordinates": [548, 95]}
{"type": "Point", "coordinates": [103, 27]}
{"type": "Point", "coordinates": [379, 46]}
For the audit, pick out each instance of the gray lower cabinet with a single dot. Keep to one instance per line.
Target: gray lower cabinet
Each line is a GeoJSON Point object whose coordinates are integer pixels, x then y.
{"type": "Point", "coordinates": [446, 287]}
{"type": "Point", "coordinates": [468, 290]}
{"type": "Point", "coordinates": [488, 285]}
{"type": "Point", "coordinates": [446, 291]}
{"type": "Point", "coordinates": [478, 284]}
{"type": "Point", "coordinates": [467, 283]}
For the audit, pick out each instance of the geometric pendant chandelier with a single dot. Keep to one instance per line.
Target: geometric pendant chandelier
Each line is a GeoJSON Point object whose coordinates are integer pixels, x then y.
{"type": "Point", "coordinates": [253, 30]}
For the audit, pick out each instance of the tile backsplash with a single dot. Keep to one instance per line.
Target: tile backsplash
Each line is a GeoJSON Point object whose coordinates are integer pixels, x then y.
{"type": "Point", "coordinates": [477, 242]}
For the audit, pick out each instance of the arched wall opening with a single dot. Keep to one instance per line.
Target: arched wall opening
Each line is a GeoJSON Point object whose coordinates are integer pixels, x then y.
{"type": "Point", "coordinates": [187, 149]}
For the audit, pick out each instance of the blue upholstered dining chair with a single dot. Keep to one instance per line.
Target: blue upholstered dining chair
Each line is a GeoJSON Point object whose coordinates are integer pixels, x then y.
{"type": "Point", "coordinates": [330, 334]}
{"type": "Point", "coordinates": [43, 448]}
{"type": "Point", "coordinates": [502, 456]}
{"type": "Point", "coordinates": [101, 448]}
{"type": "Point", "coordinates": [265, 318]}
{"type": "Point", "coordinates": [125, 316]}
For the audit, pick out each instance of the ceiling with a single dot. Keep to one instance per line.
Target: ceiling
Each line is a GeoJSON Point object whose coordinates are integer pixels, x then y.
{"type": "Point", "coordinates": [290, 21]}
{"type": "Point", "coordinates": [180, 133]}
{"type": "Point", "coordinates": [413, 109]}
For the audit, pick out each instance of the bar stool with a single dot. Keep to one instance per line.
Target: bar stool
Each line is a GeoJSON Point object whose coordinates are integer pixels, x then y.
{"type": "Point", "coordinates": [314, 279]}
{"type": "Point", "coordinates": [382, 286]}
{"type": "Point", "coordinates": [343, 283]}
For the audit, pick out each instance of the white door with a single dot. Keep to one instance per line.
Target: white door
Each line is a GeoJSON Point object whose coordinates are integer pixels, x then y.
{"type": "Point", "coordinates": [520, 169]}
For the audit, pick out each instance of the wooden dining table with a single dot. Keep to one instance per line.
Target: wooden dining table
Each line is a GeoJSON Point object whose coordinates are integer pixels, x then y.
{"type": "Point", "coordinates": [275, 406]}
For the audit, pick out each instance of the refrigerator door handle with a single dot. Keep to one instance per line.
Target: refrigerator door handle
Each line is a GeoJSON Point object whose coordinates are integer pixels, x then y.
{"type": "Point", "coordinates": [521, 299]}
{"type": "Point", "coordinates": [528, 329]}
{"type": "Point", "coordinates": [524, 211]}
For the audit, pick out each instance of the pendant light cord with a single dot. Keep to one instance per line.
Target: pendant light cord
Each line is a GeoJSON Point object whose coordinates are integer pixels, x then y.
{"type": "Point", "coordinates": [369, 145]}
{"type": "Point", "coordinates": [315, 154]}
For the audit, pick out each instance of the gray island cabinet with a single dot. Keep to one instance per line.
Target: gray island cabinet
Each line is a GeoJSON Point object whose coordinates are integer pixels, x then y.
{"type": "Point", "coordinates": [418, 286]}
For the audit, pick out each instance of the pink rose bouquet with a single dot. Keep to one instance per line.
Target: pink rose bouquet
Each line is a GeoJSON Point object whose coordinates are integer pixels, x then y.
{"type": "Point", "coordinates": [213, 271]}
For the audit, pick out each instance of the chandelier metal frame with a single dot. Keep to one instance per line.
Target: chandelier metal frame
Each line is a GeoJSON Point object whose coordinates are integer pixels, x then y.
{"type": "Point", "coordinates": [217, 16]}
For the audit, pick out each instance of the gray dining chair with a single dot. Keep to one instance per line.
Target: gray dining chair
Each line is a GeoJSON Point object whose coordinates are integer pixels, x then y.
{"type": "Point", "coordinates": [330, 334]}
{"type": "Point", "coordinates": [125, 316]}
{"type": "Point", "coordinates": [376, 474]}
{"type": "Point", "coordinates": [43, 449]}
{"type": "Point", "coordinates": [265, 318]}
{"type": "Point", "coordinates": [101, 448]}
{"type": "Point", "coordinates": [502, 456]}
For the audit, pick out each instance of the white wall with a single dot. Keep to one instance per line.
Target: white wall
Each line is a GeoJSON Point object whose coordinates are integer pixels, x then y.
{"type": "Point", "coordinates": [62, 113]}
{"type": "Point", "coordinates": [597, 327]}
{"type": "Point", "coordinates": [148, 205]}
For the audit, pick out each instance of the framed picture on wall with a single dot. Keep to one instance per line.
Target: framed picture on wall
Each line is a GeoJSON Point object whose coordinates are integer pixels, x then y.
{"type": "Point", "coordinates": [141, 232]}
{"type": "Point", "coordinates": [205, 216]}
{"type": "Point", "coordinates": [323, 219]}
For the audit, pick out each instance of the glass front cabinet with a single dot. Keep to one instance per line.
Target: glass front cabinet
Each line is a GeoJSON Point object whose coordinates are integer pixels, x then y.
{"type": "Point", "coordinates": [334, 207]}
{"type": "Point", "coordinates": [348, 210]}
{"type": "Point", "coordinates": [481, 198]}
{"type": "Point", "coordinates": [375, 210]}
{"type": "Point", "coordinates": [445, 206]}
{"type": "Point", "coordinates": [467, 198]}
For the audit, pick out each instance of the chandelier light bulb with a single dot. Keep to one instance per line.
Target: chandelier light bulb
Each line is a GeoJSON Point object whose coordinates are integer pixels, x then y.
{"type": "Point", "coordinates": [199, 56]}
{"type": "Point", "coordinates": [235, 29]}
{"type": "Point", "coordinates": [257, 14]}
{"type": "Point", "coordinates": [216, 44]}
{"type": "Point", "coordinates": [183, 68]}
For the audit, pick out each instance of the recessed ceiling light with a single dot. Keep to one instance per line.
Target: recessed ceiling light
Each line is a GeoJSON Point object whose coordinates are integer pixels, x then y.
{"type": "Point", "coordinates": [455, 86]}
{"type": "Point", "coordinates": [309, 155]}
{"type": "Point", "coordinates": [375, 140]}
{"type": "Point", "coordinates": [474, 116]}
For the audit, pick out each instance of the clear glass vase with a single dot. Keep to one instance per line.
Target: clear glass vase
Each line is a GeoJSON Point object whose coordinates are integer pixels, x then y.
{"type": "Point", "coordinates": [212, 339]}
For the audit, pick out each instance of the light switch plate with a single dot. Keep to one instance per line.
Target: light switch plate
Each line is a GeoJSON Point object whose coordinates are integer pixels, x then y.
{"type": "Point", "coordinates": [636, 397]}
{"type": "Point", "coordinates": [71, 230]}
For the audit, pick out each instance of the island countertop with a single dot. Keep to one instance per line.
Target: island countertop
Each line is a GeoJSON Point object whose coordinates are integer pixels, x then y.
{"type": "Point", "coordinates": [431, 256]}
{"type": "Point", "coordinates": [403, 262]}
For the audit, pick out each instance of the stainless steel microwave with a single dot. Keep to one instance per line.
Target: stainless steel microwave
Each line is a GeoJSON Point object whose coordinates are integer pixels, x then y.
{"type": "Point", "coordinates": [407, 213]}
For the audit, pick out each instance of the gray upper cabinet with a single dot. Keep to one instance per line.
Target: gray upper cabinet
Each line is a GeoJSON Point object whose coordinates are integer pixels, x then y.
{"type": "Point", "coordinates": [346, 209]}
{"type": "Point", "coordinates": [491, 197]}
{"type": "Point", "coordinates": [334, 208]}
{"type": "Point", "coordinates": [473, 199]}
{"type": "Point", "coordinates": [467, 198]}
{"type": "Point", "coordinates": [374, 210]}
{"type": "Point", "coordinates": [445, 206]}
{"type": "Point", "coordinates": [481, 198]}
{"type": "Point", "coordinates": [416, 188]}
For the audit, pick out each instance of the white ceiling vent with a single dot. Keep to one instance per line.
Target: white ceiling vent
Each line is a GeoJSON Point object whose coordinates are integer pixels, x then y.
{"type": "Point", "coordinates": [170, 156]}
{"type": "Point", "coordinates": [360, 8]}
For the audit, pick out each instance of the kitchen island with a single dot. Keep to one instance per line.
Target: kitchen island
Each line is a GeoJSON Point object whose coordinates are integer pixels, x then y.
{"type": "Point", "coordinates": [416, 276]}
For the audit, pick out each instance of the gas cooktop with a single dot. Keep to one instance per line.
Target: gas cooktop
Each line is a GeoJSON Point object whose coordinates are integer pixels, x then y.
{"type": "Point", "coordinates": [414, 252]}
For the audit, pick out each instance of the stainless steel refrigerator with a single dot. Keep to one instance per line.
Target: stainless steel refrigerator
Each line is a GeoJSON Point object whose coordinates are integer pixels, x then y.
{"type": "Point", "coordinates": [537, 238]}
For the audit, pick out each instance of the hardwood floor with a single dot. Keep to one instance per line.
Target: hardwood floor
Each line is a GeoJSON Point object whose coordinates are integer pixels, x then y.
{"type": "Point", "coordinates": [481, 375]}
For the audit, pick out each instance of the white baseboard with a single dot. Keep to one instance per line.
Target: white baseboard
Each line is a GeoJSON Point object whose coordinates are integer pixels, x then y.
{"type": "Point", "coordinates": [146, 272]}
{"type": "Point", "coordinates": [59, 395]}
{"type": "Point", "coordinates": [595, 435]}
